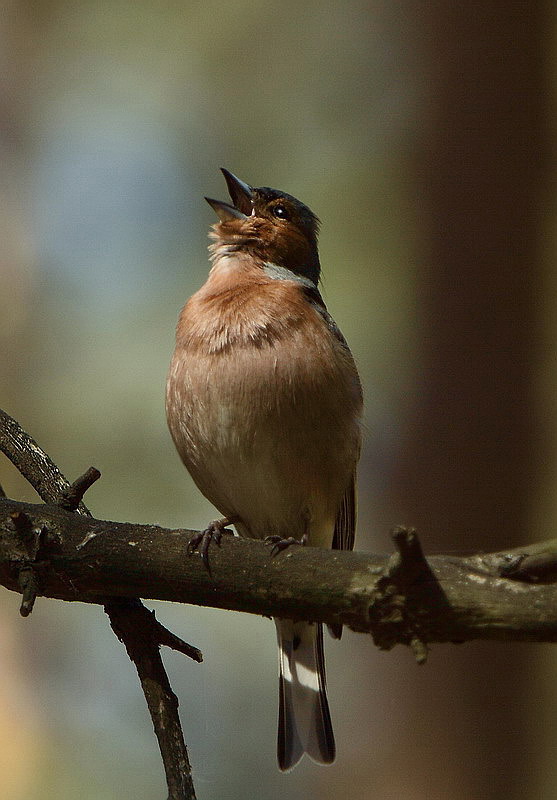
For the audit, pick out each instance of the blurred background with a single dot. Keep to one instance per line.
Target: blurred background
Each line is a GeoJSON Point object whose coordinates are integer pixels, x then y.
{"type": "Point", "coordinates": [420, 134]}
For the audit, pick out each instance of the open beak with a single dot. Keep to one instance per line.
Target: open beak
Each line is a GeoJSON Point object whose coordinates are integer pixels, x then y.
{"type": "Point", "coordinates": [241, 195]}
{"type": "Point", "coordinates": [224, 211]}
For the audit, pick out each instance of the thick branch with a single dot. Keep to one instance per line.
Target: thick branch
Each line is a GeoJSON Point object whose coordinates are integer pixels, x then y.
{"type": "Point", "coordinates": [402, 599]}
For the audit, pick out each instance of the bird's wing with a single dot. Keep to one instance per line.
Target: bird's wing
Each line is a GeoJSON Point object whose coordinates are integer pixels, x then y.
{"type": "Point", "coordinates": [345, 530]}
{"type": "Point", "coordinates": [345, 523]}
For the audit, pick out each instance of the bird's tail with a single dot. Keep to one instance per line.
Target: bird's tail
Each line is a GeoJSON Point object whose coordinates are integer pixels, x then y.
{"type": "Point", "coordinates": [304, 720]}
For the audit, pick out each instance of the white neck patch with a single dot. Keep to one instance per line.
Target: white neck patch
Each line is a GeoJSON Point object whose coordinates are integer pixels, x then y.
{"type": "Point", "coordinates": [279, 273]}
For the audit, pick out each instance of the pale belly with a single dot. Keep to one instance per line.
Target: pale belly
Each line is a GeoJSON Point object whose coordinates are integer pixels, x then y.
{"type": "Point", "coordinates": [265, 442]}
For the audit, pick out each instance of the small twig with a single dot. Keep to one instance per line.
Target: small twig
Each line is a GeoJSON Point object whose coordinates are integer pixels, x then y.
{"type": "Point", "coordinates": [405, 570]}
{"type": "Point", "coordinates": [420, 649]}
{"type": "Point", "coordinates": [142, 635]}
{"type": "Point", "coordinates": [409, 561]}
{"type": "Point", "coordinates": [29, 588]}
{"type": "Point", "coordinates": [2, 492]}
{"type": "Point", "coordinates": [169, 639]}
{"type": "Point", "coordinates": [72, 495]}
{"type": "Point", "coordinates": [26, 578]}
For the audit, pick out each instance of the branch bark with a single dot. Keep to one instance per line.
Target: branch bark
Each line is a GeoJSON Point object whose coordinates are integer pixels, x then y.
{"type": "Point", "coordinates": [404, 598]}
{"type": "Point", "coordinates": [134, 625]}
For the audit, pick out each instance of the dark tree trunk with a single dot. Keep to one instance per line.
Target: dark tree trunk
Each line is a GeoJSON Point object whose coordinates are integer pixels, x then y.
{"type": "Point", "coordinates": [470, 462]}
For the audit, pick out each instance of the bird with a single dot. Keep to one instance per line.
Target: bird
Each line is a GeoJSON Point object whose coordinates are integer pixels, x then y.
{"type": "Point", "coordinates": [264, 405]}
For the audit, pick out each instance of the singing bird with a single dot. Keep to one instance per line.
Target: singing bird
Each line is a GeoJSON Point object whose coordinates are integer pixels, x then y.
{"type": "Point", "coordinates": [264, 405]}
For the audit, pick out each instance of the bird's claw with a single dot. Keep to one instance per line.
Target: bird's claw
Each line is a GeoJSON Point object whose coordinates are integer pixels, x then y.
{"type": "Point", "coordinates": [201, 541]}
{"type": "Point", "coordinates": [279, 543]}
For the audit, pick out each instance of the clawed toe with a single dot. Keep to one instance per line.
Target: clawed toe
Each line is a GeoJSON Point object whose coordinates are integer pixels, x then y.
{"type": "Point", "coordinates": [201, 541]}
{"type": "Point", "coordinates": [279, 543]}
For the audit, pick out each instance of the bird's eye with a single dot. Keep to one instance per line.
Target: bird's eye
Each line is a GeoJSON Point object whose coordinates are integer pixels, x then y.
{"type": "Point", "coordinates": [280, 211]}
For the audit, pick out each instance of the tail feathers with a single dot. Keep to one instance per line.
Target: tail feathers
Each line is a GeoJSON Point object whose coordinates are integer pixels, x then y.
{"type": "Point", "coordinates": [304, 718]}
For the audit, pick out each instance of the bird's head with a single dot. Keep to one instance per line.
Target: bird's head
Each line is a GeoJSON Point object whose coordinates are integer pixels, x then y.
{"type": "Point", "coordinates": [272, 226]}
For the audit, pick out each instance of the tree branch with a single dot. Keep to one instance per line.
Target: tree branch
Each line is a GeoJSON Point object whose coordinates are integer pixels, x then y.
{"type": "Point", "coordinates": [134, 625]}
{"type": "Point", "coordinates": [33, 463]}
{"type": "Point", "coordinates": [404, 599]}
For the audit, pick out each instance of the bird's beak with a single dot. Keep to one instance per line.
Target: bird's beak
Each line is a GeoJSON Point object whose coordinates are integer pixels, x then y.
{"type": "Point", "coordinates": [224, 211]}
{"type": "Point", "coordinates": [241, 193]}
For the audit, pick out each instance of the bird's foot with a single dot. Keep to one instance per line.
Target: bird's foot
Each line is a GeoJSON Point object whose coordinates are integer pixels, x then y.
{"type": "Point", "coordinates": [278, 543]}
{"type": "Point", "coordinates": [214, 531]}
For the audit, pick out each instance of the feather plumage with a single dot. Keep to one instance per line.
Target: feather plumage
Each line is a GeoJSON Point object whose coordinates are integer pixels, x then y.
{"type": "Point", "coordinates": [264, 403]}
